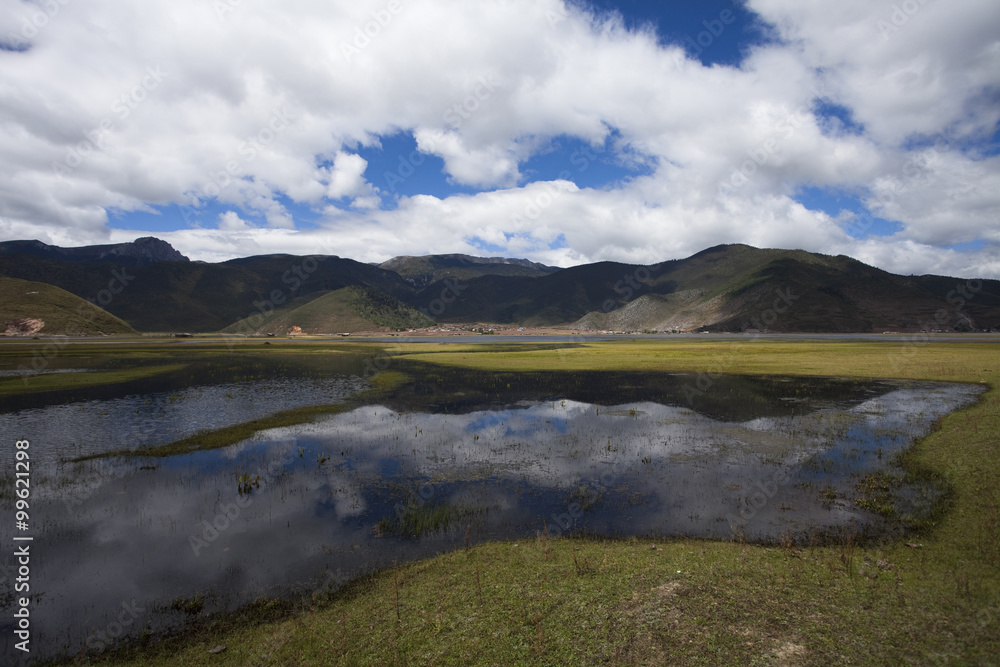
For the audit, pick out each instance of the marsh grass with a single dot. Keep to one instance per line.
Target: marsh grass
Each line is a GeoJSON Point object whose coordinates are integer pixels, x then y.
{"type": "Point", "coordinates": [190, 606]}
{"type": "Point", "coordinates": [427, 519]}
{"type": "Point", "coordinates": [586, 497]}
{"type": "Point", "coordinates": [246, 484]}
{"type": "Point", "coordinates": [877, 491]}
{"type": "Point", "coordinates": [37, 384]}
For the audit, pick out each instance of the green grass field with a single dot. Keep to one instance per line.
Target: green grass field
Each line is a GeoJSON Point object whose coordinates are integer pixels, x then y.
{"type": "Point", "coordinates": [933, 598]}
{"type": "Point", "coordinates": [131, 359]}
{"type": "Point", "coordinates": [62, 312]}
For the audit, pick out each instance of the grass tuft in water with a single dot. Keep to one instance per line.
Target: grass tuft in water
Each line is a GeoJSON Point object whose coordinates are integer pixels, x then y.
{"type": "Point", "coordinates": [426, 519]}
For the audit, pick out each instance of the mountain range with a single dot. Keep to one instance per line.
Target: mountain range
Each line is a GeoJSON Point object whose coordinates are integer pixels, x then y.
{"type": "Point", "coordinates": [148, 286]}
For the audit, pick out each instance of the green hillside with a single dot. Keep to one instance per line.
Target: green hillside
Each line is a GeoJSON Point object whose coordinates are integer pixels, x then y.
{"type": "Point", "coordinates": [346, 310]}
{"type": "Point", "coordinates": [422, 271]}
{"type": "Point", "coordinates": [197, 296]}
{"type": "Point", "coordinates": [736, 287]}
{"type": "Point", "coordinates": [62, 312]}
{"type": "Point", "coordinates": [731, 287]}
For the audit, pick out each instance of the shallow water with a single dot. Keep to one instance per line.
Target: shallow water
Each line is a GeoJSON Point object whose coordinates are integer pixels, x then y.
{"type": "Point", "coordinates": [28, 372]}
{"type": "Point", "coordinates": [455, 453]}
{"type": "Point", "coordinates": [135, 421]}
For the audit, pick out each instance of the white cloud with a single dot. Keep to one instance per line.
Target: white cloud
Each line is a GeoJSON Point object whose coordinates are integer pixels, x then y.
{"type": "Point", "coordinates": [492, 165]}
{"type": "Point", "coordinates": [347, 176]}
{"type": "Point", "coordinates": [117, 108]}
{"type": "Point", "coordinates": [230, 221]}
{"type": "Point", "coordinates": [903, 68]}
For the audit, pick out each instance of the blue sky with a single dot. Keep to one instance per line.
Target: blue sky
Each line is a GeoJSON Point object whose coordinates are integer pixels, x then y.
{"type": "Point", "coordinates": [714, 32]}
{"type": "Point", "coordinates": [564, 132]}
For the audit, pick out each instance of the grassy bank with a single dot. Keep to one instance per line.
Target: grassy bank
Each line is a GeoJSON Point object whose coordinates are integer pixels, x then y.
{"type": "Point", "coordinates": [382, 384]}
{"type": "Point", "coordinates": [86, 365]}
{"type": "Point", "coordinates": [932, 599]}
{"type": "Point", "coordinates": [38, 384]}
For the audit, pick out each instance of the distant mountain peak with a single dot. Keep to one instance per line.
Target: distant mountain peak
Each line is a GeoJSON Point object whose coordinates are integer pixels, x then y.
{"type": "Point", "coordinates": [141, 252]}
{"type": "Point", "coordinates": [459, 259]}
{"type": "Point", "coordinates": [423, 270]}
{"type": "Point", "coordinates": [148, 250]}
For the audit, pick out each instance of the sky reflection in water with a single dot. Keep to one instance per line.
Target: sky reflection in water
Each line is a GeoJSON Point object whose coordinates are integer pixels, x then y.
{"type": "Point", "coordinates": [114, 531]}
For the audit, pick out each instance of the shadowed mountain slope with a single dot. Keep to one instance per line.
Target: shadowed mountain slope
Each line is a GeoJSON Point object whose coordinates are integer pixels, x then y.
{"type": "Point", "coordinates": [422, 271]}
{"type": "Point", "coordinates": [725, 288]}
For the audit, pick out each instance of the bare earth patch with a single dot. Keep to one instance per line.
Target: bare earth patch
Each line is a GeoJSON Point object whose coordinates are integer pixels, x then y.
{"type": "Point", "coordinates": [26, 326]}
{"type": "Point", "coordinates": [790, 654]}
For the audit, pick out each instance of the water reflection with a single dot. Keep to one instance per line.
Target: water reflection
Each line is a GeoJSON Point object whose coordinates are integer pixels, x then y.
{"type": "Point", "coordinates": [82, 428]}
{"type": "Point", "coordinates": [495, 455]}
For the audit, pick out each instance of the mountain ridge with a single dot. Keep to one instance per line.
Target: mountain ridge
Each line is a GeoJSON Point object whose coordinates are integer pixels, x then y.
{"type": "Point", "coordinates": [140, 252]}
{"type": "Point", "coordinates": [730, 287]}
{"type": "Point", "coordinates": [420, 271]}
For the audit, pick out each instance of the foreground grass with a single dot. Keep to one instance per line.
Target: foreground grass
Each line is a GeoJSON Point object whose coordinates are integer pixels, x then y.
{"type": "Point", "coordinates": [934, 599]}
{"type": "Point", "coordinates": [566, 602]}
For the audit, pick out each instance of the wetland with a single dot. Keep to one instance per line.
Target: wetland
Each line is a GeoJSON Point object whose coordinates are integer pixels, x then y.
{"type": "Point", "coordinates": [441, 459]}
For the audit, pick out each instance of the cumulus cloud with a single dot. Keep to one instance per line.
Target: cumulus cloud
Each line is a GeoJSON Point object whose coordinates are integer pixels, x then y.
{"type": "Point", "coordinates": [347, 177]}
{"type": "Point", "coordinates": [230, 221]}
{"type": "Point", "coordinates": [263, 109]}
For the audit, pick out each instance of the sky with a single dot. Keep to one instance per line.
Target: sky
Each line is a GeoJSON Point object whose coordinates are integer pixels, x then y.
{"type": "Point", "coordinates": [561, 132]}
